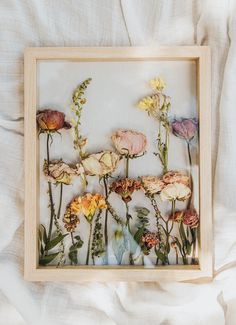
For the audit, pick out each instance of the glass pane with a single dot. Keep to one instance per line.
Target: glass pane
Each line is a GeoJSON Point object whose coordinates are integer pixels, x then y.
{"type": "Point", "coordinates": [121, 185]}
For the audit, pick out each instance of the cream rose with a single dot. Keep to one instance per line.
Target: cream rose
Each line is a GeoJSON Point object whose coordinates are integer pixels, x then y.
{"type": "Point", "coordinates": [175, 191]}
{"type": "Point", "coordinates": [101, 163]}
{"type": "Point", "coordinates": [58, 172]}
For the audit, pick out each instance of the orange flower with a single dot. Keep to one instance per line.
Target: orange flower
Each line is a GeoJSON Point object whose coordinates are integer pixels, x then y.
{"type": "Point", "coordinates": [148, 241]}
{"type": "Point", "coordinates": [88, 204]}
{"type": "Point", "coordinates": [50, 121]}
{"type": "Point", "coordinates": [177, 217]}
{"type": "Point", "coordinates": [70, 220]}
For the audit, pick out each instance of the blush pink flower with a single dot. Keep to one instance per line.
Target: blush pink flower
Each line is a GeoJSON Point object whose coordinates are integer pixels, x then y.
{"type": "Point", "coordinates": [185, 128]}
{"type": "Point", "coordinates": [176, 177]}
{"type": "Point", "coordinates": [130, 143]}
{"type": "Point", "coordinates": [152, 184]}
{"type": "Point", "coordinates": [50, 121]}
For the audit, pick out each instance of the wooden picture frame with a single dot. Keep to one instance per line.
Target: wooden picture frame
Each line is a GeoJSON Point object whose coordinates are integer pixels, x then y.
{"type": "Point", "coordinates": [33, 272]}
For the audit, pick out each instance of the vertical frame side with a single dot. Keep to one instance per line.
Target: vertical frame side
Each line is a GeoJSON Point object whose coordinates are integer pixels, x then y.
{"type": "Point", "coordinates": [206, 229]}
{"type": "Point", "coordinates": [30, 155]}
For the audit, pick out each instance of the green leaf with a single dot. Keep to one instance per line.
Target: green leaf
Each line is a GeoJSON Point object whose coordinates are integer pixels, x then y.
{"type": "Point", "coordinates": [79, 242]}
{"type": "Point", "coordinates": [73, 256]}
{"type": "Point", "coordinates": [138, 235]}
{"type": "Point", "coordinates": [42, 234]}
{"type": "Point", "coordinates": [160, 255]}
{"type": "Point", "coordinates": [182, 233]}
{"type": "Point", "coordinates": [55, 241]}
{"type": "Point", "coordinates": [142, 211]}
{"type": "Point", "coordinates": [47, 259]}
{"type": "Point", "coordinates": [188, 247]}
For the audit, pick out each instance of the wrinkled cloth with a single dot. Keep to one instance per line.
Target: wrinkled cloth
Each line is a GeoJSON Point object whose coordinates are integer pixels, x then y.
{"type": "Point", "coordinates": [25, 23]}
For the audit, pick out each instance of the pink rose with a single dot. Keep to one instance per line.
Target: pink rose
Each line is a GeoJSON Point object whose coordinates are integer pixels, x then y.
{"type": "Point", "coordinates": [129, 142]}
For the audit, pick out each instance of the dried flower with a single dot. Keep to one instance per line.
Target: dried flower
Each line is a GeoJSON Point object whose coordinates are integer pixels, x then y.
{"type": "Point", "coordinates": [152, 184]}
{"type": "Point", "coordinates": [191, 218]}
{"type": "Point", "coordinates": [155, 104]}
{"type": "Point", "coordinates": [157, 84]}
{"type": "Point", "coordinates": [185, 128]}
{"type": "Point", "coordinates": [70, 220]}
{"type": "Point", "coordinates": [175, 191]}
{"type": "Point", "coordinates": [148, 241]}
{"type": "Point", "coordinates": [50, 121]}
{"type": "Point", "coordinates": [174, 243]}
{"type": "Point", "coordinates": [176, 177]}
{"type": "Point", "coordinates": [125, 188]}
{"type": "Point", "coordinates": [58, 172]}
{"type": "Point", "coordinates": [130, 143]}
{"type": "Point", "coordinates": [101, 163]}
{"type": "Point", "coordinates": [78, 101]}
{"type": "Point", "coordinates": [177, 217]}
{"type": "Point", "coordinates": [88, 205]}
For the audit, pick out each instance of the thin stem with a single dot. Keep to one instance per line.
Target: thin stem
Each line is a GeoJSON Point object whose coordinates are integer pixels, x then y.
{"type": "Point", "coordinates": [60, 201]}
{"type": "Point", "coordinates": [190, 174]}
{"type": "Point", "coordinates": [50, 192]}
{"type": "Point", "coordinates": [72, 238]}
{"type": "Point", "coordinates": [142, 260]}
{"type": "Point", "coordinates": [176, 256]}
{"type": "Point", "coordinates": [88, 250]}
{"type": "Point", "coordinates": [194, 240]}
{"type": "Point", "coordinates": [127, 167]}
{"type": "Point", "coordinates": [106, 218]}
{"type": "Point", "coordinates": [127, 215]}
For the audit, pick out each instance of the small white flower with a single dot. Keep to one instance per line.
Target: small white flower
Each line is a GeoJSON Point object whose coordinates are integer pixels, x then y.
{"type": "Point", "coordinates": [175, 191]}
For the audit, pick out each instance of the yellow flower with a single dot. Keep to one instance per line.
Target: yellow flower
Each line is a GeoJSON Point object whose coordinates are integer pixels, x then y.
{"type": "Point", "coordinates": [147, 103]}
{"type": "Point", "coordinates": [157, 84]}
{"type": "Point", "coordinates": [154, 104]}
{"type": "Point", "coordinates": [88, 204]}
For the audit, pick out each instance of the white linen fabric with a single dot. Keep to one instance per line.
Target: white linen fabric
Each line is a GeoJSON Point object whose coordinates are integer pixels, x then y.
{"type": "Point", "coordinates": [26, 23]}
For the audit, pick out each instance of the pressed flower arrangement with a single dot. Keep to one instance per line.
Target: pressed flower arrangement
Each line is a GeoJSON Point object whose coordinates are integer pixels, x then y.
{"type": "Point", "coordinates": [174, 229]}
{"type": "Point", "coordinates": [127, 197]}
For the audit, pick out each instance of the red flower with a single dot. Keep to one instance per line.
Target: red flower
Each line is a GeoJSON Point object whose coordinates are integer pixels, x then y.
{"type": "Point", "coordinates": [125, 188]}
{"type": "Point", "coordinates": [191, 218]}
{"type": "Point", "coordinates": [51, 121]}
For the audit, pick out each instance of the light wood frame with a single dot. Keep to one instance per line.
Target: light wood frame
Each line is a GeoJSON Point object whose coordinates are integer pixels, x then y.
{"type": "Point", "coordinates": [204, 271]}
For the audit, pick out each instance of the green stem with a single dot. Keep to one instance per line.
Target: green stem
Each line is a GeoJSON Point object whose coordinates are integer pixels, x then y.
{"type": "Point", "coordinates": [190, 175]}
{"type": "Point", "coordinates": [127, 216]}
{"type": "Point", "coordinates": [88, 250]}
{"type": "Point", "coordinates": [176, 256]}
{"type": "Point", "coordinates": [127, 167]}
{"type": "Point", "coordinates": [50, 193]}
{"type": "Point", "coordinates": [194, 239]}
{"type": "Point", "coordinates": [72, 238]}
{"type": "Point", "coordinates": [60, 201]}
{"type": "Point", "coordinates": [106, 218]}
{"type": "Point", "coordinates": [165, 169]}
{"type": "Point", "coordinates": [168, 231]}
